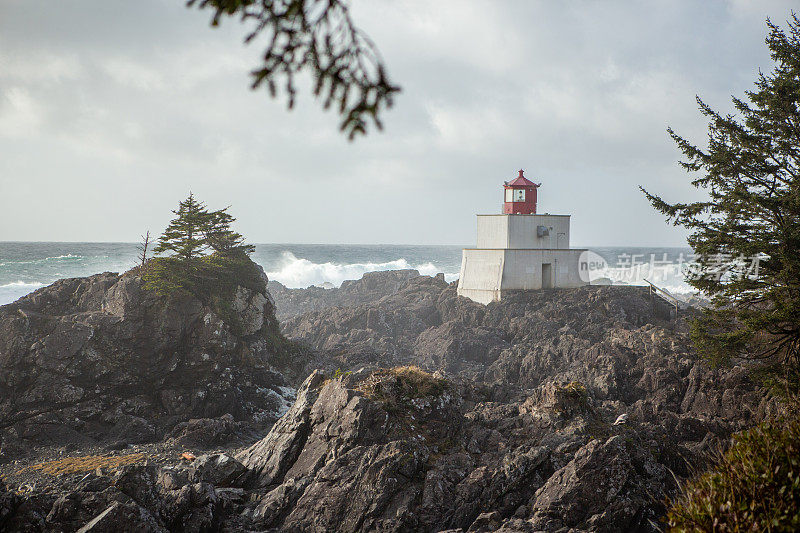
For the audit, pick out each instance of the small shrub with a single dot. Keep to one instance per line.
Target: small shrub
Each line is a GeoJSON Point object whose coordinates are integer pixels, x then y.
{"type": "Point", "coordinates": [341, 373]}
{"type": "Point", "coordinates": [754, 486]}
{"type": "Point", "coordinates": [402, 383]}
{"type": "Point", "coordinates": [576, 390]}
{"type": "Point", "coordinates": [336, 375]}
{"type": "Point", "coordinates": [570, 399]}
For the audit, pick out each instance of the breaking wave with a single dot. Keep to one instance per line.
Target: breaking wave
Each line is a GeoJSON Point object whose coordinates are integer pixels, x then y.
{"type": "Point", "coordinates": [43, 260]}
{"type": "Point", "coordinates": [22, 285]}
{"type": "Point", "coordinates": [14, 290]}
{"type": "Point", "coordinates": [298, 273]}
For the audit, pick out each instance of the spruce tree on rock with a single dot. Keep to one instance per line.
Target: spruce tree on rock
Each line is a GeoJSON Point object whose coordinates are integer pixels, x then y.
{"type": "Point", "coordinates": [185, 234]}
{"type": "Point", "coordinates": [751, 172]}
{"type": "Point", "coordinates": [221, 238]}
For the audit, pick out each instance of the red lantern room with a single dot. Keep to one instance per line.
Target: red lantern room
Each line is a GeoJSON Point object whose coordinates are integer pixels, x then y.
{"type": "Point", "coordinates": [520, 196]}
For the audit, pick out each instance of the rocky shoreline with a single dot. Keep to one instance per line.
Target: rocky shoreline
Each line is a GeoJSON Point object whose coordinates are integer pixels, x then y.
{"type": "Point", "coordinates": [553, 410]}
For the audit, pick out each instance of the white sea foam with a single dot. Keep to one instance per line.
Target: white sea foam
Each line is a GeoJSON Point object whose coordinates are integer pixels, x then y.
{"type": "Point", "coordinates": [10, 292]}
{"type": "Point", "coordinates": [22, 285]}
{"type": "Point", "coordinates": [297, 273]}
{"type": "Point", "coordinates": [43, 260]}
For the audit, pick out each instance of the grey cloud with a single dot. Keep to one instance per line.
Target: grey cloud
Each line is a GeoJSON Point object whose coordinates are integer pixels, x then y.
{"type": "Point", "coordinates": [111, 111]}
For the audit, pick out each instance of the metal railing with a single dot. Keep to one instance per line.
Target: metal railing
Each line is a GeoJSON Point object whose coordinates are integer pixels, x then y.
{"type": "Point", "coordinates": [655, 289]}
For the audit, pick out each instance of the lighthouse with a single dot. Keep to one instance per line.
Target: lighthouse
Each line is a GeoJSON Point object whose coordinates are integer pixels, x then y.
{"type": "Point", "coordinates": [519, 249]}
{"type": "Point", "coordinates": [520, 196]}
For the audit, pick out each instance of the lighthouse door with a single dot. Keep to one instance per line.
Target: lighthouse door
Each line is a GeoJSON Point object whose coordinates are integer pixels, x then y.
{"type": "Point", "coordinates": [547, 276]}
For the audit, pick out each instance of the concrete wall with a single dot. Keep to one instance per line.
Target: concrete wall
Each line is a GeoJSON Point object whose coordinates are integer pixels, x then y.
{"type": "Point", "coordinates": [487, 273]}
{"type": "Point", "coordinates": [481, 274]}
{"type": "Point", "coordinates": [520, 231]}
{"type": "Point", "coordinates": [493, 231]}
{"type": "Point", "coordinates": [522, 269]}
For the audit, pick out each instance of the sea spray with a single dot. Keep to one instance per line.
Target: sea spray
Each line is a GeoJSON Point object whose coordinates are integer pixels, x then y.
{"type": "Point", "coordinates": [27, 266]}
{"type": "Point", "coordinates": [298, 273]}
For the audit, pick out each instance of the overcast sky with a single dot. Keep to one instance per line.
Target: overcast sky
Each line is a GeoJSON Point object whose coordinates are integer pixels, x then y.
{"type": "Point", "coordinates": [112, 111]}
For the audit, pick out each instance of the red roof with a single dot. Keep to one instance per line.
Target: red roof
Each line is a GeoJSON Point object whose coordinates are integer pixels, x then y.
{"type": "Point", "coordinates": [521, 181]}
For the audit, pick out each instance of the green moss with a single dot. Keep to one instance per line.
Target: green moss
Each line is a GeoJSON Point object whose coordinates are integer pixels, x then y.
{"type": "Point", "coordinates": [213, 279]}
{"type": "Point", "coordinates": [754, 486]}
{"type": "Point", "coordinates": [223, 307]}
{"type": "Point", "coordinates": [204, 277]}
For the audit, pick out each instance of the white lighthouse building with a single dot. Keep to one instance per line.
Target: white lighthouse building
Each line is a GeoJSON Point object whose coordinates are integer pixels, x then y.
{"type": "Point", "coordinates": [519, 249]}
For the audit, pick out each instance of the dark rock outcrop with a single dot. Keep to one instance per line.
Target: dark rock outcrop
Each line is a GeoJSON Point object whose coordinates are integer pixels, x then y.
{"type": "Point", "coordinates": [549, 411]}
{"type": "Point", "coordinates": [345, 457]}
{"type": "Point", "coordinates": [609, 339]}
{"type": "Point", "coordinates": [607, 486]}
{"type": "Point", "coordinates": [100, 358]}
{"type": "Point", "coordinates": [123, 517]}
{"type": "Point", "coordinates": [8, 504]}
{"type": "Point", "coordinates": [372, 286]}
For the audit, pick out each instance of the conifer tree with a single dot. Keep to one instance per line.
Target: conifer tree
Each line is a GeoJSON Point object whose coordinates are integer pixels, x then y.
{"type": "Point", "coordinates": [185, 234]}
{"type": "Point", "coordinates": [220, 237]}
{"type": "Point", "coordinates": [751, 173]}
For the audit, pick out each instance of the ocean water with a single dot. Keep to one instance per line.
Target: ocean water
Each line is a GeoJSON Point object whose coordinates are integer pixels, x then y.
{"type": "Point", "coordinates": [27, 266]}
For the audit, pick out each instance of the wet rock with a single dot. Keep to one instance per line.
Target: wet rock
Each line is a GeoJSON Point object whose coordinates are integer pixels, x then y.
{"type": "Point", "coordinates": [30, 513]}
{"type": "Point", "coordinates": [485, 523]}
{"type": "Point", "coordinates": [123, 517]}
{"type": "Point", "coordinates": [611, 341]}
{"type": "Point", "coordinates": [372, 286]}
{"type": "Point", "coordinates": [269, 459]}
{"type": "Point", "coordinates": [279, 501]}
{"type": "Point", "coordinates": [511, 428]}
{"type": "Point", "coordinates": [606, 486]}
{"type": "Point", "coordinates": [207, 432]}
{"type": "Point", "coordinates": [194, 507]}
{"type": "Point", "coordinates": [333, 443]}
{"type": "Point", "coordinates": [133, 430]}
{"type": "Point", "coordinates": [138, 482]}
{"type": "Point", "coordinates": [172, 477]}
{"type": "Point", "coordinates": [218, 469]}
{"type": "Point", "coordinates": [392, 437]}
{"type": "Point", "coordinates": [73, 510]}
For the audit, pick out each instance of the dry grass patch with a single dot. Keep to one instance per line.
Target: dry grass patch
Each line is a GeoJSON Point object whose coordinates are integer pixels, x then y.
{"type": "Point", "coordinates": [402, 383]}
{"type": "Point", "coordinates": [89, 463]}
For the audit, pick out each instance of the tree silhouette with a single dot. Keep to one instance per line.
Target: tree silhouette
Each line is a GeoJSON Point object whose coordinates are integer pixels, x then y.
{"type": "Point", "coordinates": [184, 235]}
{"type": "Point", "coordinates": [220, 237]}
{"type": "Point", "coordinates": [320, 37]}
{"type": "Point", "coordinates": [747, 234]}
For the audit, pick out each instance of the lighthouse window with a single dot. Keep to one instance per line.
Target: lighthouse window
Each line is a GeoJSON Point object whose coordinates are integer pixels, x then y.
{"type": "Point", "coordinates": [509, 195]}
{"type": "Point", "coordinates": [519, 195]}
